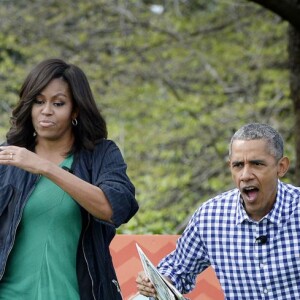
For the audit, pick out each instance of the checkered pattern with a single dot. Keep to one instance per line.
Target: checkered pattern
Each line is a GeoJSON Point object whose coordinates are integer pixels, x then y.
{"type": "Point", "coordinates": [222, 235]}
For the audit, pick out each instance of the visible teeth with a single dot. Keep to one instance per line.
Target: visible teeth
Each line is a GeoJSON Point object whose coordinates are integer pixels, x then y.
{"type": "Point", "coordinates": [250, 187]}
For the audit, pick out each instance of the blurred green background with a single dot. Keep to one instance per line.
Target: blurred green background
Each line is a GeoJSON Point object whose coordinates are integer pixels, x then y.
{"type": "Point", "coordinates": [174, 80]}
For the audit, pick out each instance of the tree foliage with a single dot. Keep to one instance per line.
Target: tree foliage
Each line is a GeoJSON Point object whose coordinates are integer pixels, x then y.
{"type": "Point", "coordinates": [174, 81]}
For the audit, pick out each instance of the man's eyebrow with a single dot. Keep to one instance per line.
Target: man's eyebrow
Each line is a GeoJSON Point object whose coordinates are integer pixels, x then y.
{"type": "Point", "coordinates": [234, 162]}
{"type": "Point", "coordinates": [252, 161]}
{"type": "Point", "coordinates": [256, 161]}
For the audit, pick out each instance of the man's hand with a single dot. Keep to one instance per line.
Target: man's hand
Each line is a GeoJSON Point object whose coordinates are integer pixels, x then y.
{"type": "Point", "coordinates": [144, 285]}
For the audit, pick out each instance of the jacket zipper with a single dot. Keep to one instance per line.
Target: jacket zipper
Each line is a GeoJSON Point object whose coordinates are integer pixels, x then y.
{"type": "Point", "coordinates": [83, 237]}
{"type": "Point", "coordinates": [18, 222]}
{"type": "Point", "coordinates": [71, 170]}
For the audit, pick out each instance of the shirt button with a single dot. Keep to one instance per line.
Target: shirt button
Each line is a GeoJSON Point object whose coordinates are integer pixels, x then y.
{"type": "Point", "coordinates": [262, 265]}
{"type": "Point", "coordinates": [266, 290]}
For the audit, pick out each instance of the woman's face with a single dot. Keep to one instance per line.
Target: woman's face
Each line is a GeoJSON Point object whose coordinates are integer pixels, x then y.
{"type": "Point", "coordinates": [52, 112]}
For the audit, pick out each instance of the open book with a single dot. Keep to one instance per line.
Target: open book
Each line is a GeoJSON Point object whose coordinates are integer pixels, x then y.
{"type": "Point", "coordinates": [165, 290]}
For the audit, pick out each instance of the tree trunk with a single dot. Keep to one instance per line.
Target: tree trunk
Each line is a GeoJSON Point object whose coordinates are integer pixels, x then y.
{"type": "Point", "coordinates": [294, 61]}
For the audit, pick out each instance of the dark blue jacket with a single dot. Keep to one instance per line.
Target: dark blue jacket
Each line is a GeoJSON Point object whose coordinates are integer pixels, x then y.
{"type": "Point", "coordinates": [103, 167]}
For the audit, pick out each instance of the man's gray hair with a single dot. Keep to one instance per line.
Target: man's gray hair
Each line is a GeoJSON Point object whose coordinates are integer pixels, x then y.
{"type": "Point", "coordinates": [257, 131]}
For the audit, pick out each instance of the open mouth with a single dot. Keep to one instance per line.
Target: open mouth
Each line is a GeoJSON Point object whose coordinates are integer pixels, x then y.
{"type": "Point", "coordinates": [251, 192]}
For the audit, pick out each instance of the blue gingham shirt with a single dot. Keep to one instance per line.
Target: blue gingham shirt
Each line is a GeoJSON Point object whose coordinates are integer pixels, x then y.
{"type": "Point", "coordinates": [222, 235]}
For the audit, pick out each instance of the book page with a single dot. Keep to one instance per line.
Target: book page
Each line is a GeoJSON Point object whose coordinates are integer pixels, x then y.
{"type": "Point", "coordinates": [164, 289]}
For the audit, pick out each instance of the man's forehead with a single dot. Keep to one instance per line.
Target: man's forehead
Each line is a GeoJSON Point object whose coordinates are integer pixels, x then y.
{"type": "Point", "coordinates": [249, 147]}
{"type": "Point", "coordinates": [258, 143]}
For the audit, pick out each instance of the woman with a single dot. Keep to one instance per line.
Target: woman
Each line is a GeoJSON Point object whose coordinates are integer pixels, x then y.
{"type": "Point", "coordinates": [64, 190]}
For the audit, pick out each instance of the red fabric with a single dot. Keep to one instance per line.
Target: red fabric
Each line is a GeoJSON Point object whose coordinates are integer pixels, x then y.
{"type": "Point", "coordinates": [127, 264]}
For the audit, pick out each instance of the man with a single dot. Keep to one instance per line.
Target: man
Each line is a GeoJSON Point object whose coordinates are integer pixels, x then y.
{"type": "Point", "coordinates": [249, 235]}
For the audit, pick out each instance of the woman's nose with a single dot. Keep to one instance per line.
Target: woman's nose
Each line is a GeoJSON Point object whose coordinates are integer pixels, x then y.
{"type": "Point", "coordinates": [47, 109]}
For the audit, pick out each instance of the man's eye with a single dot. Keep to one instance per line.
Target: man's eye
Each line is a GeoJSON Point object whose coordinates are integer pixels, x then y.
{"type": "Point", "coordinates": [237, 165]}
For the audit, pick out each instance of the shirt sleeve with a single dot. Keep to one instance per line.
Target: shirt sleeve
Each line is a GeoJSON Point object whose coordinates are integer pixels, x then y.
{"type": "Point", "coordinates": [188, 259]}
{"type": "Point", "coordinates": [109, 174]}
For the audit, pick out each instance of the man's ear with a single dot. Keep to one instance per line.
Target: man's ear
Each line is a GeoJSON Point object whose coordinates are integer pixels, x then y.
{"type": "Point", "coordinates": [229, 163]}
{"type": "Point", "coordinates": [283, 166]}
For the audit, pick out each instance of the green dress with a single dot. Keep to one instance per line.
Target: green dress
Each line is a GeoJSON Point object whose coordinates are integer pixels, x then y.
{"type": "Point", "coordinates": [42, 264]}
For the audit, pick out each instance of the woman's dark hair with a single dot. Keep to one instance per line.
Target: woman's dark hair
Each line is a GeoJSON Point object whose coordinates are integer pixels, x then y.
{"type": "Point", "coordinates": [91, 125]}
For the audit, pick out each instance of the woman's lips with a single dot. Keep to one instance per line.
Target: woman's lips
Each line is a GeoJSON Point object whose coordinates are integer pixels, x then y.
{"type": "Point", "coordinates": [46, 123]}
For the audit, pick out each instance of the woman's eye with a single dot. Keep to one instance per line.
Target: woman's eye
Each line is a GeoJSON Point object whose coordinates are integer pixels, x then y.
{"type": "Point", "coordinates": [59, 104]}
{"type": "Point", "coordinates": [38, 101]}
{"type": "Point", "coordinates": [55, 103]}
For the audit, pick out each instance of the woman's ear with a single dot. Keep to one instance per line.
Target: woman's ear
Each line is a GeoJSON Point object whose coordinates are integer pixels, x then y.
{"type": "Point", "coordinates": [283, 166]}
{"type": "Point", "coordinates": [75, 114]}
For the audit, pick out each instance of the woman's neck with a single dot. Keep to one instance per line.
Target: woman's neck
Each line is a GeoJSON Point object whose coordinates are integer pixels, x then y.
{"type": "Point", "coordinates": [53, 150]}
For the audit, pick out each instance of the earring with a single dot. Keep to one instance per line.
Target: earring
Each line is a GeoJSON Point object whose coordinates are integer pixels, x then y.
{"type": "Point", "coordinates": [74, 122]}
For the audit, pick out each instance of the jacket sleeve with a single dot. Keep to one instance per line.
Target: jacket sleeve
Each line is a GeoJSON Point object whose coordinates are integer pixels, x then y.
{"type": "Point", "coordinates": [109, 174]}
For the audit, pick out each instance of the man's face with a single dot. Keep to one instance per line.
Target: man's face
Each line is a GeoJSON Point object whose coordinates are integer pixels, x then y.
{"type": "Point", "coordinates": [255, 172]}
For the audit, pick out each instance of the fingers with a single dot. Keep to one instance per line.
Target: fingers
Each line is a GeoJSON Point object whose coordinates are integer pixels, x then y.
{"type": "Point", "coordinates": [144, 285]}
{"type": "Point", "coordinates": [19, 157]}
{"type": "Point", "coordinates": [7, 154]}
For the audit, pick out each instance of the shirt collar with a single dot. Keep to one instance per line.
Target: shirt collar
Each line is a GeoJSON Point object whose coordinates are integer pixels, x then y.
{"type": "Point", "coordinates": [273, 216]}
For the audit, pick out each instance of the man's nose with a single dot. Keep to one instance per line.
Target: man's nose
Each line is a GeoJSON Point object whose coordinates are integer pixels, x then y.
{"type": "Point", "coordinates": [246, 173]}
